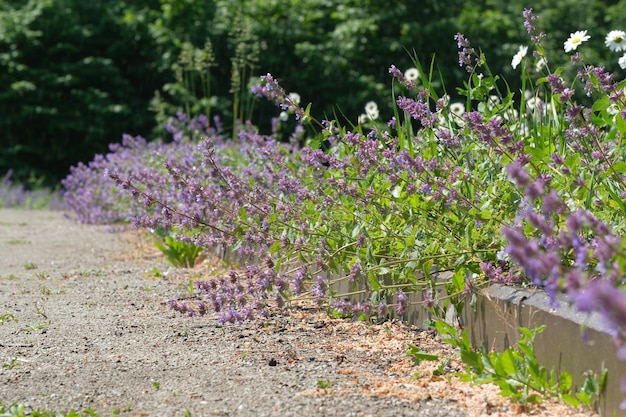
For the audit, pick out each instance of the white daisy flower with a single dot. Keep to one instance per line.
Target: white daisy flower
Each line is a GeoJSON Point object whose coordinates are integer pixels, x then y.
{"type": "Point", "coordinates": [411, 74]}
{"type": "Point", "coordinates": [534, 102]}
{"type": "Point", "coordinates": [517, 58]}
{"type": "Point", "coordinates": [371, 110]}
{"type": "Point", "coordinates": [373, 114]}
{"type": "Point", "coordinates": [541, 64]}
{"type": "Point", "coordinates": [283, 116]}
{"type": "Point", "coordinates": [575, 39]}
{"type": "Point", "coordinates": [371, 106]}
{"type": "Point", "coordinates": [457, 109]}
{"type": "Point", "coordinates": [363, 118]}
{"type": "Point", "coordinates": [616, 40]}
{"type": "Point", "coordinates": [622, 61]}
{"type": "Point", "coordinates": [511, 115]}
{"type": "Point", "coordinates": [547, 108]}
{"type": "Point", "coordinates": [493, 101]}
{"type": "Point", "coordinates": [524, 130]}
{"type": "Point", "coordinates": [295, 98]}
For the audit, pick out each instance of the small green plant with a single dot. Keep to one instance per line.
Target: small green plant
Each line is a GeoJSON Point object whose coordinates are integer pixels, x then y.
{"type": "Point", "coordinates": [7, 317]}
{"type": "Point", "coordinates": [17, 242]}
{"type": "Point", "coordinates": [156, 385]}
{"type": "Point", "coordinates": [30, 266]}
{"type": "Point", "coordinates": [419, 356]}
{"type": "Point", "coordinates": [189, 287]}
{"type": "Point", "coordinates": [153, 272]}
{"type": "Point", "coordinates": [592, 388]}
{"type": "Point", "coordinates": [178, 253]}
{"type": "Point", "coordinates": [40, 326]}
{"type": "Point", "coordinates": [40, 308]}
{"type": "Point", "coordinates": [517, 372]}
{"type": "Point", "coordinates": [14, 410]}
{"type": "Point", "coordinates": [95, 273]}
{"type": "Point", "coordinates": [416, 376]}
{"type": "Point", "coordinates": [12, 363]}
{"type": "Point", "coordinates": [324, 383]}
{"type": "Point", "coordinates": [441, 369]}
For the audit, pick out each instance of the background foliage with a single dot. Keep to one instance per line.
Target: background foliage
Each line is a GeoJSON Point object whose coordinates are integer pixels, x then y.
{"type": "Point", "coordinates": [75, 75]}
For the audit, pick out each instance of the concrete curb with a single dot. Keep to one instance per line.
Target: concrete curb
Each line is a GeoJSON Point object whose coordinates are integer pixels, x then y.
{"type": "Point", "coordinates": [500, 310]}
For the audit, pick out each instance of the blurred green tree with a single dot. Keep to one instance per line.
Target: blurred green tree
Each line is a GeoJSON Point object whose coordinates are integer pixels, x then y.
{"type": "Point", "coordinates": [76, 74]}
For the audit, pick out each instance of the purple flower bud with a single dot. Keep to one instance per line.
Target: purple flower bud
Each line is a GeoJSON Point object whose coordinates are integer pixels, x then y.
{"type": "Point", "coordinates": [428, 300]}
{"type": "Point", "coordinates": [402, 303]}
{"type": "Point", "coordinates": [518, 173]}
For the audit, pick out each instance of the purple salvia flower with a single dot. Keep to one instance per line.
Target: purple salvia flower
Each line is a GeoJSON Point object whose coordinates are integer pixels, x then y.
{"type": "Point", "coordinates": [518, 173]}
{"type": "Point", "coordinates": [427, 299]}
{"type": "Point", "coordinates": [465, 53]}
{"type": "Point", "coordinates": [610, 301]}
{"type": "Point", "coordinates": [529, 20]}
{"type": "Point", "coordinates": [402, 303]}
{"type": "Point", "coordinates": [382, 310]}
{"type": "Point", "coordinates": [319, 288]}
{"type": "Point", "coordinates": [552, 203]}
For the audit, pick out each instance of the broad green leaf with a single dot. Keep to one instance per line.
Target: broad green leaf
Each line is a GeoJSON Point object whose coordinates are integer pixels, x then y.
{"type": "Point", "coordinates": [506, 362]}
{"type": "Point", "coordinates": [565, 382]}
{"type": "Point", "coordinates": [419, 356]}
{"type": "Point", "coordinates": [619, 167]}
{"type": "Point", "coordinates": [569, 399]}
{"type": "Point", "coordinates": [373, 279]}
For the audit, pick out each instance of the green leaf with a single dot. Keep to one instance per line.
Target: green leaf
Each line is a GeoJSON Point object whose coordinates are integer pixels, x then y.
{"type": "Point", "coordinates": [584, 398]}
{"type": "Point", "coordinates": [419, 356]}
{"type": "Point", "coordinates": [373, 279]}
{"type": "Point", "coordinates": [506, 389]}
{"type": "Point", "coordinates": [565, 382]}
{"type": "Point", "coordinates": [427, 267]}
{"type": "Point", "coordinates": [506, 363]}
{"type": "Point", "coordinates": [620, 123]}
{"type": "Point", "coordinates": [275, 247]}
{"type": "Point", "coordinates": [458, 279]}
{"type": "Point", "coordinates": [620, 167]}
{"type": "Point", "coordinates": [569, 399]}
{"type": "Point", "coordinates": [473, 360]}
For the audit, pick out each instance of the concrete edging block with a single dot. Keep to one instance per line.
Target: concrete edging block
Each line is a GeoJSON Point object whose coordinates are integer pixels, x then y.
{"type": "Point", "coordinates": [500, 310]}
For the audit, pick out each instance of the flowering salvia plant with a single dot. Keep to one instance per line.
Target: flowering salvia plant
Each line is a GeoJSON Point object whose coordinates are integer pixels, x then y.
{"type": "Point", "coordinates": [518, 187]}
{"type": "Point", "coordinates": [568, 235]}
{"type": "Point", "coordinates": [16, 195]}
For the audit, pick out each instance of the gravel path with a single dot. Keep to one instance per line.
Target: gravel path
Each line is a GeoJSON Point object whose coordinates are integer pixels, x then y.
{"type": "Point", "coordinates": [82, 325]}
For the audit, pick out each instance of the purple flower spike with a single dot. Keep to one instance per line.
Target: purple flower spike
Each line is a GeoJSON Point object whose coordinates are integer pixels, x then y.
{"type": "Point", "coordinates": [402, 303]}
